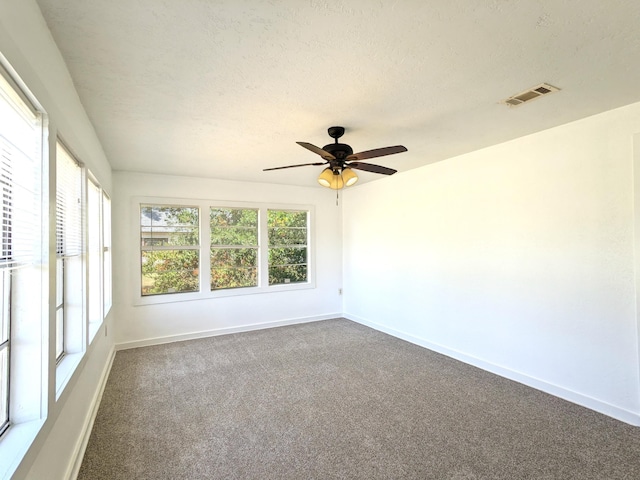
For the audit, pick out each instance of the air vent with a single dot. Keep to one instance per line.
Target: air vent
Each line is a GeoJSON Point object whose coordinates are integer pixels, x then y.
{"type": "Point", "coordinates": [531, 94]}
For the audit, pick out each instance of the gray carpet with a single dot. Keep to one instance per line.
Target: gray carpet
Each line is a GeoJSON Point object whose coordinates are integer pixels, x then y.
{"type": "Point", "coordinates": [335, 399]}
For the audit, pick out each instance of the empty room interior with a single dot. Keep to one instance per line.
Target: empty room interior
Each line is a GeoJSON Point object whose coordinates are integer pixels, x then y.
{"type": "Point", "coordinates": [319, 239]}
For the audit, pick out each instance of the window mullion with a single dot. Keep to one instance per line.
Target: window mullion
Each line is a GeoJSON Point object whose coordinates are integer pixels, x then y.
{"type": "Point", "coordinates": [205, 248]}
{"type": "Point", "coordinates": [263, 249]}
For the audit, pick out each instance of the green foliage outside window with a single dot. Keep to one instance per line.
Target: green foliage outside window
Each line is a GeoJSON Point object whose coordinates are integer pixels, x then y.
{"type": "Point", "coordinates": [167, 268]}
{"type": "Point", "coordinates": [234, 248]}
{"type": "Point", "coordinates": [170, 271]}
{"type": "Point", "coordinates": [170, 245]}
{"type": "Point", "coordinates": [287, 246]}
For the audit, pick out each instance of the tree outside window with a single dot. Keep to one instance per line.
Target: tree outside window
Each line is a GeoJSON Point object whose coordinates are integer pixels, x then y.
{"type": "Point", "coordinates": [288, 233]}
{"type": "Point", "coordinates": [169, 237]}
{"type": "Point", "coordinates": [234, 247]}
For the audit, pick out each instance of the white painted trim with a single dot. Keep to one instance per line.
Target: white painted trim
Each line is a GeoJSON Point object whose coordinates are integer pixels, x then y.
{"type": "Point", "coordinates": [626, 416]}
{"type": "Point", "coordinates": [223, 331]}
{"type": "Point", "coordinates": [204, 292]}
{"type": "Point", "coordinates": [81, 444]}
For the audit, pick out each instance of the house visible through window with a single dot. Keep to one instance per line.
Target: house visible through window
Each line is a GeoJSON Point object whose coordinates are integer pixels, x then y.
{"type": "Point", "coordinates": [246, 250]}
{"type": "Point", "coordinates": [170, 249]}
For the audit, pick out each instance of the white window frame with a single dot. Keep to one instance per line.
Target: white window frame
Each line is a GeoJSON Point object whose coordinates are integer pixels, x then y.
{"type": "Point", "coordinates": [172, 247]}
{"type": "Point", "coordinates": [306, 245]}
{"type": "Point", "coordinates": [107, 255]}
{"type": "Point", "coordinates": [73, 282]}
{"type": "Point", "coordinates": [205, 248]}
{"type": "Point", "coordinates": [233, 247]}
{"type": "Point", "coordinates": [95, 260]}
{"type": "Point", "coordinates": [31, 318]}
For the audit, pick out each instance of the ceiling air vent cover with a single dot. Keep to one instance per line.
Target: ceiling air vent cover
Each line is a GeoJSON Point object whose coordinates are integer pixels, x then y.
{"type": "Point", "coordinates": [530, 94]}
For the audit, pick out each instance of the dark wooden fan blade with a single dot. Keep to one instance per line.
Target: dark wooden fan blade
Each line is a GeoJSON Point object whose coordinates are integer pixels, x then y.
{"type": "Point", "coordinates": [369, 167]}
{"type": "Point", "coordinates": [323, 153]}
{"type": "Point", "coordinates": [292, 166]}
{"type": "Point", "coordinates": [377, 152]}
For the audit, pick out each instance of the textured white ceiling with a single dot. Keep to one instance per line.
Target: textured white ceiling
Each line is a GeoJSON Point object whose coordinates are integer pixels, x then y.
{"type": "Point", "coordinates": [224, 88]}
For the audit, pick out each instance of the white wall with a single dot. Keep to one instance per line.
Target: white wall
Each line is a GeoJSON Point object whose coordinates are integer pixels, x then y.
{"type": "Point", "coordinates": [147, 324]}
{"type": "Point", "coordinates": [26, 43]}
{"type": "Point", "coordinates": [518, 258]}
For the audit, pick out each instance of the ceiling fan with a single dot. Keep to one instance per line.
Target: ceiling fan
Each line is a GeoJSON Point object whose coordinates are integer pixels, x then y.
{"type": "Point", "coordinates": [341, 160]}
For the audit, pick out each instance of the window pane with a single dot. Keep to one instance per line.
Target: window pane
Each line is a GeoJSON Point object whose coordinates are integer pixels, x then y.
{"type": "Point", "coordinates": [233, 277]}
{"type": "Point", "coordinates": [166, 269]}
{"type": "Point", "coordinates": [288, 256]}
{"type": "Point", "coordinates": [59, 282]}
{"type": "Point", "coordinates": [234, 257]}
{"type": "Point", "coordinates": [234, 217]}
{"type": "Point", "coordinates": [170, 271]}
{"type": "Point", "coordinates": [288, 234]}
{"type": "Point", "coordinates": [287, 274]}
{"type": "Point", "coordinates": [106, 247]}
{"type": "Point", "coordinates": [168, 226]}
{"type": "Point", "coordinates": [5, 292]}
{"type": "Point", "coordinates": [233, 267]}
{"type": "Point", "coordinates": [280, 218]}
{"type": "Point", "coordinates": [4, 387]}
{"type": "Point", "coordinates": [59, 333]}
{"type": "Point", "coordinates": [94, 250]}
{"type": "Point", "coordinates": [234, 236]}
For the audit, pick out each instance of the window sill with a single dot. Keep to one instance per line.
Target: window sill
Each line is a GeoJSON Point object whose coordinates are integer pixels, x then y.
{"type": "Point", "coordinates": [229, 292]}
{"type": "Point", "coordinates": [14, 445]}
{"type": "Point", "coordinates": [65, 370]}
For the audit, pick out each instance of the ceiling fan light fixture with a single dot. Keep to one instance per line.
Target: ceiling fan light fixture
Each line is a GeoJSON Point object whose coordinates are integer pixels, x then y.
{"type": "Point", "coordinates": [325, 177]}
{"type": "Point", "coordinates": [331, 179]}
{"type": "Point", "coordinates": [349, 177]}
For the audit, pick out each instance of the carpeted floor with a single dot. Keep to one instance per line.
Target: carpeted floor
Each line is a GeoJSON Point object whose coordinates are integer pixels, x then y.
{"type": "Point", "coordinates": [337, 400]}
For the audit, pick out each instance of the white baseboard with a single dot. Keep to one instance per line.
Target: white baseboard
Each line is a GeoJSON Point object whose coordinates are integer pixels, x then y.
{"type": "Point", "coordinates": [83, 440]}
{"type": "Point", "coordinates": [632, 418]}
{"type": "Point", "coordinates": [222, 331]}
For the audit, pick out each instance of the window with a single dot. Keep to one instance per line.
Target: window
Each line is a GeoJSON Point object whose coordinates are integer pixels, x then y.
{"type": "Point", "coordinates": [5, 291]}
{"type": "Point", "coordinates": [22, 305]}
{"type": "Point", "coordinates": [170, 249]}
{"type": "Point", "coordinates": [81, 281]}
{"type": "Point", "coordinates": [69, 251]}
{"type": "Point", "coordinates": [234, 247]}
{"type": "Point", "coordinates": [95, 275]}
{"type": "Point", "coordinates": [287, 246]}
{"type": "Point", "coordinates": [106, 256]}
{"type": "Point", "coordinates": [246, 248]}
{"type": "Point", "coordinates": [106, 248]}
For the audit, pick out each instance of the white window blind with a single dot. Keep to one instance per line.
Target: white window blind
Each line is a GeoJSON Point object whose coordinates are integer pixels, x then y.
{"type": "Point", "coordinates": [68, 240]}
{"type": "Point", "coordinates": [21, 138]}
{"type": "Point", "coordinates": [20, 164]}
{"type": "Point", "coordinates": [68, 205]}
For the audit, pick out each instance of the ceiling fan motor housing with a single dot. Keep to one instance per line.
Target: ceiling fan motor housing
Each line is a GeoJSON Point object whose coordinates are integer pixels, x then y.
{"type": "Point", "coordinates": [338, 150]}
